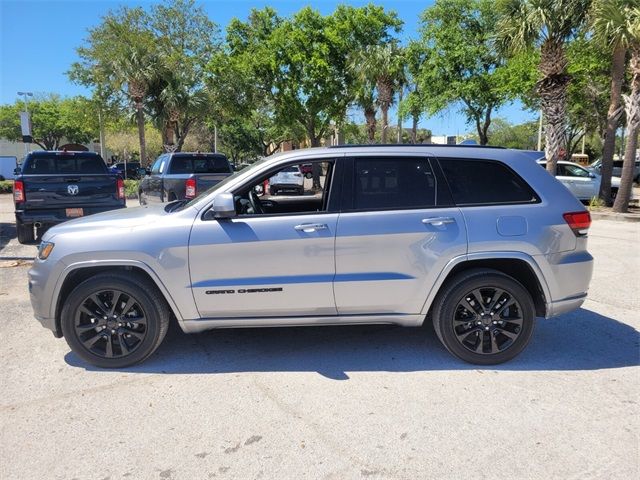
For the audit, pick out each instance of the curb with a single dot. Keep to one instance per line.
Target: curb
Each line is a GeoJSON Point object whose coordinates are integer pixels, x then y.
{"type": "Point", "coordinates": [616, 217]}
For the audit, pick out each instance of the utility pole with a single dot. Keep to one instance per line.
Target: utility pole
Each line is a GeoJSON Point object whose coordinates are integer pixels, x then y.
{"type": "Point", "coordinates": [26, 109]}
{"type": "Point", "coordinates": [102, 134]}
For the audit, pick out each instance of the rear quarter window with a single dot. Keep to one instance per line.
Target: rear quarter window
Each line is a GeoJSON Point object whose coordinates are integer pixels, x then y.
{"type": "Point", "coordinates": [485, 182]}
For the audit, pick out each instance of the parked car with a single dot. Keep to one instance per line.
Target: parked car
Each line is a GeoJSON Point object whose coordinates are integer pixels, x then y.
{"type": "Point", "coordinates": [473, 239]}
{"type": "Point", "coordinates": [596, 167]}
{"type": "Point", "coordinates": [583, 183]}
{"type": "Point", "coordinates": [287, 180]}
{"type": "Point", "coordinates": [131, 172]}
{"type": "Point", "coordinates": [51, 187]}
{"type": "Point", "coordinates": [179, 176]}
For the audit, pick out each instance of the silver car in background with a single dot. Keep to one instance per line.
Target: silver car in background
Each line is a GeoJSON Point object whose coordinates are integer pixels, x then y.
{"type": "Point", "coordinates": [476, 240]}
{"type": "Point", "coordinates": [580, 181]}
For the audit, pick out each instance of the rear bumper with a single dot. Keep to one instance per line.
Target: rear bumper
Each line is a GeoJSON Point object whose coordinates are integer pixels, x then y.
{"type": "Point", "coordinates": [568, 276]}
{"type": "Point", "coordinates": [53, 216]}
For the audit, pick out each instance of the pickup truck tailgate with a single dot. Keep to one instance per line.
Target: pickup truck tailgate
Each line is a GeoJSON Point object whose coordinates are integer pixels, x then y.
{"type": "Point", "coordinates": [50, 191]}
{"type": "Point", "coordinates": [206, 180]}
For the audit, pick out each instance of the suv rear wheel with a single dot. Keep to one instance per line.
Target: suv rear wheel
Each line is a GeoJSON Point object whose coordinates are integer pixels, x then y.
{"type": "Point", "coordinates": [484, 317]}
{"type": "Point", "coordinates": [114, 320]}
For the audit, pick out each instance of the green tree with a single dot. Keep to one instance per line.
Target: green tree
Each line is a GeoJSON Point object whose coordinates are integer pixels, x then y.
{"type": "Point", "coordinates": [413, 105]}
{"type": "Point", "coordinates": [547, 25]}
{"type": "Point", "coordinates": [613, 24]}
{"type": "Point", "coordinates": [462, 61]}
{"type": "Point", "coordinates": [381, 65]}
{"type": "Point", "coordinates": [53, 120]}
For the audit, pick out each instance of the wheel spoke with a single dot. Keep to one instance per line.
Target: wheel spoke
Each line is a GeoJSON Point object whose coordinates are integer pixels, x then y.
{"type": "Point", "coordinates": [86, 327]}
{"type": "Point", "coordinates": [130, 302]}
{"type": "Point", "coordinates": [470, 307]}
{"type": "Point", "coordinates": [494, 299]}
{"type": "Point", "coordinates": [102, 308]}
{"type": "Point", "coordinates": [109, 349]}
{"type": "Point", "coordinates": [123, 343]}
{"type": "Point", "coordinates": [90, 342]}
{"type": "Point", "coordinates": [479, 347]}
{"type": "Point", "coordinates": [138, 335]}
{"type": "Point", "coordinates": [115, 300]}
{"type": "Point", "coordinates": [494, 344]}
{"type": "Point", "coordinates": [479, 300]}
{"type": "Point", "coordinates": [509, 334]}
{"type": "Point", "coordinates": [510, 303]}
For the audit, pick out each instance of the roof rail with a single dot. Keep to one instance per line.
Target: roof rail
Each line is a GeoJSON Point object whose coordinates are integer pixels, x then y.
{"type": "Point", "coordinates": [373, 145]}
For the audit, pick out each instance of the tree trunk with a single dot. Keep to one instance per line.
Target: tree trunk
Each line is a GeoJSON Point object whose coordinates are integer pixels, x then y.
{"type": "Point", "coordinates": [385, 123]}
{"type": "Point", "coordinates": [370, 118]}
{"type": "Point", "coordinates": [414, 129]}
{"type": "Point", "coordinates": [613, 115]}
{"type": "Point", "coordinates": [168, 142]}
{"type": "Point", "coordinates": [552, 89]}
{"type": "Point", "coordinates": [399, 131]}
{"type": "Point", "coordinates": [632, 109]}
{"type": "Point", "coordinates": [315, 167]}
{"type": "Point", "coordinates": [143, 146]}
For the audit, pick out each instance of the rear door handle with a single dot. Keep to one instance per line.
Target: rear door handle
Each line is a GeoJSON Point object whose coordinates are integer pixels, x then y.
{"type": "Point", "coordinates": [437, 221]}
{"type": "Point", "coordinates": [310, 227]}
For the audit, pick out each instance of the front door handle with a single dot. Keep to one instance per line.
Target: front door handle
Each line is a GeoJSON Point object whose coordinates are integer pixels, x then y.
{"type": "Point", "coordinates": [437, 221]}
{"type": "Point", "coordinates": [310, 227]}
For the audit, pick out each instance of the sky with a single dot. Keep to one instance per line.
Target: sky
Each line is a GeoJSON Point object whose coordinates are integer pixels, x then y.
{"type": "Point", "coordinates": [38, 41]}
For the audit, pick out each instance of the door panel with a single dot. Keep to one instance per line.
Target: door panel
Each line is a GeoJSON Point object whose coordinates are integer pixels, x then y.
{"type": "Point", "coordinates": [264, 266]}
{"type": "Point", "coordinates": [387, 262]}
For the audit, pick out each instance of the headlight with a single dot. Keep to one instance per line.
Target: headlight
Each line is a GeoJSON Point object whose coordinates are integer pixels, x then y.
{"type": "Point", "coordinates": [44, 250]}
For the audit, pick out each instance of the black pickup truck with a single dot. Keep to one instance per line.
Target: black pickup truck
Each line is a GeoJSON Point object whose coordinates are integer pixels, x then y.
{"type": "Point", "coordinates": [176, 176]}
{"type": "Point", "coordinates": [51, 187]}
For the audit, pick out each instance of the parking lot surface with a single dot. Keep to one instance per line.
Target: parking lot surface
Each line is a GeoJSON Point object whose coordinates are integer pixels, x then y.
{"type": "Point", "coordinates": [335, 403]}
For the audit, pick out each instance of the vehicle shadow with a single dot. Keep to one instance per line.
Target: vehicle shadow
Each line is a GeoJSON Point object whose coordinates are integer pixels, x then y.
{"type": "Point", "coordinates": [581, 340]}
{"type": "Point", "coordinates": [7, 233]}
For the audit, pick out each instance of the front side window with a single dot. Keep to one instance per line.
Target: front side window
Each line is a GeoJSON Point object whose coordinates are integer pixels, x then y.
{"type": "Point", "coordinates": [286, 191]}
{"type": "Point", "coordinates": [388, 183]}
{"type": "Point", "coordinates": [565, 170]}
{"type": "Point", "coordinates": [485, 182]}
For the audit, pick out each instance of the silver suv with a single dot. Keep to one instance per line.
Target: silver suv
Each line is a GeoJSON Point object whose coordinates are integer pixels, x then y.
{"type": "Point", "coordinates": [480, 241]}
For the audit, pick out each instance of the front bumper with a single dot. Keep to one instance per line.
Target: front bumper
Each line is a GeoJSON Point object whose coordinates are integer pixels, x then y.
{"type": "Point", "coordinates": [42, 277]}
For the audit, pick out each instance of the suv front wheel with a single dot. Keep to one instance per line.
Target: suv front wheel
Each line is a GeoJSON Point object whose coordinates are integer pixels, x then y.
{"type": "Point", "coordinates": [484, 317]}
{"type": "Point", "coordinates": [113, 320]}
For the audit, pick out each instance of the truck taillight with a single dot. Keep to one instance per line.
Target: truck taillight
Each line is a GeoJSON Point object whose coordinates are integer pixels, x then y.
{"type": "Point", "coordinates": [190, 188]}
{"type": "Point", "coordinates": [18, 191]}
{"type": "Point", "coordinates": [120, 188]}
{"type": "Point", "coordinates": [579, 222]}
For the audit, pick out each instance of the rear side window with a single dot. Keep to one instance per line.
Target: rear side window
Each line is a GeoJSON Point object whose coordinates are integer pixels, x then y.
{"type": "Point", "coordinates": [64, 164]}
{"type": "Point", "coordinates": [393, 183]}
{"type": "Point", "coordinates": [199, 164]}
{"type": "Point", "coordinates": [481, 182]}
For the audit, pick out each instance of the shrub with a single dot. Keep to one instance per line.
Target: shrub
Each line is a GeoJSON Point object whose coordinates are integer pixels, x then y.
{"type": "Point", "coordinates": [6, 186]}
{"type": "Point", "coordinates": [131, 188]}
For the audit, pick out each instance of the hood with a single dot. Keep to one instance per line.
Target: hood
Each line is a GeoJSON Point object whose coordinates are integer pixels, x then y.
{"type": "Point", "coordinates": [124, 218]}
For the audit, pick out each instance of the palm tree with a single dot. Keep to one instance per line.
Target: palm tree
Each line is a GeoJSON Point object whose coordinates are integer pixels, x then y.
{"type": "Point", "coordinates": [380, 65]}
{"type": "Point", "coordinates": [365, 99]}
{"type": "Point", "coordinates": [632, 110]}
{"type": "Point", "coordinates": [547, 25]}
{"type": "Point", "coordinates": [611, 21]}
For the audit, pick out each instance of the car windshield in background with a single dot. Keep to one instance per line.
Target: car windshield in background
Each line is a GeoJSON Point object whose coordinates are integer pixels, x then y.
{"type": "Point", "coordinates": [64, 164]}
{"type": "Point", "coordinates": [199, 164]}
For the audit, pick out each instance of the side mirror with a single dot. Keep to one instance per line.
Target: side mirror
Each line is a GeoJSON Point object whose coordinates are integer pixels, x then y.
{"type": "Point", "coordinates": [17, 171]}
{"type": "Point", "coordinates": [592, 175]}
{"type": "Point", "coordinates": [142, 172]}
{"type": "Point", "coordinates": [224, 206]}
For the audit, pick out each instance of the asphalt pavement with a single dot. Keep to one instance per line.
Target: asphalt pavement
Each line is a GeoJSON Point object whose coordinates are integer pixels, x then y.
{"type": "Point", "coordinates": [333, 403]}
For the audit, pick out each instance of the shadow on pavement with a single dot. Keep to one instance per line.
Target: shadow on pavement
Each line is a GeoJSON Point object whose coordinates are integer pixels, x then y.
{"type": "Point", "coordinates": [7, 233]}
{"type": "Point", "coordinates": [581, 340]}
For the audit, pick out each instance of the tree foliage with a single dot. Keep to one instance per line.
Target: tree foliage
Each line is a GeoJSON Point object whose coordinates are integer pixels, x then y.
{"type": "Point", "coordinates": [53, 120]}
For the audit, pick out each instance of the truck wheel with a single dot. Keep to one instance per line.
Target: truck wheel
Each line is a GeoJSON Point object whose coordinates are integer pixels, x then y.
{"type": "Point", "coordinates": [614, 193]}
{"type": "Point", "coordinates": [484, 317]}
{"type": "Point", "coordinates": [25, 232]}
{"type": "Point", "coordinates": [141, 198]}
{"type": "Point", "coordinates": [113, 320]}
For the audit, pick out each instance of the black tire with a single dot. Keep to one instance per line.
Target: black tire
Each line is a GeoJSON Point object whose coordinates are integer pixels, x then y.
{"type": "Point", "coordinates": [457, 327]}
{"type": "Point", "coordinates": [614, 193]}
{"type": "Point", "coordinates": [25, 232]}
{"type": "Point", "coordinates": [141, 338]}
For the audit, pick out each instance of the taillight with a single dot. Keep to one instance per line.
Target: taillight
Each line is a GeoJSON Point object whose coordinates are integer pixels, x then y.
{"type": "Point", "coordinates": [120, 188]}
{"type": "Point", "coordinates": [579, 222]}
{"type": "Point", "coordinates": [18, 191]}
{"type": "Point", "coordinates": [190, 188]}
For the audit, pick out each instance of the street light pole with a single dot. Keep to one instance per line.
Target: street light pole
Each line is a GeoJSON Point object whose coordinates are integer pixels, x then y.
{"type": "Point", "coordinates": [26, 96]}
